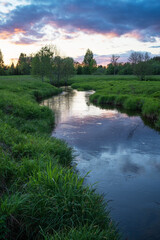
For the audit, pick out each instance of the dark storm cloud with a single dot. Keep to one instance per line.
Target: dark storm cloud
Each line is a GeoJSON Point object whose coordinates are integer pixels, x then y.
{"type": "Point", "coordinates": [139, 18]}
{"type": "Point", "coordinates": [25, 19]}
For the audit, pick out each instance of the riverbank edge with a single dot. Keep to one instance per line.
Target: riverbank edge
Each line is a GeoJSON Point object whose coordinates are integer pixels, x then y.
{"type": "Point", "coordinates": [34, 168]}
{"type": "Point", "coordinates": [147, 108]}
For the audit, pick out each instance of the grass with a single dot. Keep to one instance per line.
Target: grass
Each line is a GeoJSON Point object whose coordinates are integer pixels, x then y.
{"type": "Point", "coordinates": [126, 92]}
{"type": "Point", "coordinates": [41, 196]}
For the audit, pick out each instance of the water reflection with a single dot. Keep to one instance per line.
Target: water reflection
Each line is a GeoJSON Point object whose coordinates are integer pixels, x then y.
{"type": "Point", "coordinates": [124, 158]}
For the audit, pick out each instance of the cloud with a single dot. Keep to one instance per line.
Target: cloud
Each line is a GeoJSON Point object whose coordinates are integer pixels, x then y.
{"type": "Point", "coordinates": [68, 37]}
{"type": "Point", "coordinates": [25, 41]}
{"type": "Point", "coordinates": [138, 19]}
{"type": "Point", "coordinates": [24, 19]}
{"type": "Point", "coordinates": [6, 4]}
{"type": "Point", "coordinates": [155, 47]}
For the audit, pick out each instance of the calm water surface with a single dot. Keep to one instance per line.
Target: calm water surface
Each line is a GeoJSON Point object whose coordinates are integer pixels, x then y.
{"type": "Point", "coordinates": [123, 156]}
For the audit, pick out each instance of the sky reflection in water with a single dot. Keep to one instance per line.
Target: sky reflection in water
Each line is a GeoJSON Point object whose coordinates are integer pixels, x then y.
{"type": "Point", "coordinates": [123, 156]}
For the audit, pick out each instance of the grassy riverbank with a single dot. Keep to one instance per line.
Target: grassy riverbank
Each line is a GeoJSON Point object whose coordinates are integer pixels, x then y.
{"type": "Point", "coordinates": [125, 92]}
{"type": "Point", "coordinates": [41, 197]}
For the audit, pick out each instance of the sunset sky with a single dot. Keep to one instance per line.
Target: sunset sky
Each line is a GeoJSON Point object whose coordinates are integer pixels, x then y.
{"type": "Point", "coordinates": [105, 27]}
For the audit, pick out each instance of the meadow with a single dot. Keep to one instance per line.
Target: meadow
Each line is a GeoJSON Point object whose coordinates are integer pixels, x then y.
{"type": "Point", "coordinates": [41, 195]}
{"type": "Point", "coordinates": [124, 92]}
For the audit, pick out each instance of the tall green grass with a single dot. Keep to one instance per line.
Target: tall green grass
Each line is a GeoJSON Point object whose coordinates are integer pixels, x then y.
{"type": "Point", "coordinates": [41, 197]}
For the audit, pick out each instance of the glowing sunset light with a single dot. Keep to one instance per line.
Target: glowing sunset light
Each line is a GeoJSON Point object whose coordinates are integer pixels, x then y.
{"type": "Point", "coordinates": [18, 30]}
{"type": "Point", "coordinates": [13, 61]}
{"type": "Point", "coordinates": [106, 27]}
{"type": "Point", "coordinates": [5, 35]}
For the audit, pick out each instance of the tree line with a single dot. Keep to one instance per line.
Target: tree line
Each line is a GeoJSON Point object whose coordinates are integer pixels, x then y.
{"type": "Point", "coordinates": [47, 62]}
{"type": "Point", "coordinates": [139, 64]}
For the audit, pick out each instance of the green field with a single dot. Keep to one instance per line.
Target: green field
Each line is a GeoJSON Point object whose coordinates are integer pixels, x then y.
{"type": "Point", "coordinates": [125, 92]}
{"type": "Point", "coordinates": [41, 196]}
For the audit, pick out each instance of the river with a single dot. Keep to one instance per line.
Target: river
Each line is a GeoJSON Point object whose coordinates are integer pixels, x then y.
{"type": "Point", "coordinates": [122, 155]}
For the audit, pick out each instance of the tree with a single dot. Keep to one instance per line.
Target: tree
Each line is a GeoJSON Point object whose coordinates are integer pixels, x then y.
{"type": "Point", "coordinates": [114, 60]}
{"type": "Point", "coordinates": [110, 69]}
{"type": "Point", "coordinates": [47, 63]}
{"type": "Point", "coordinates": [88, 57]}
{"type": "Point", "coordinates": [42, 62]}
{"type": "Point", "coordinates": [68, 68]}
{"type": "Point", "coordinates": [89, 61]}
{"type": "Point", "coordinates": [12, 70]}
{"type": "Point", "coordinates": [155, 65]}
{"type": "Point", "coordinates": [146, 57]}
{"type": "Point", "coordinates": [1, 64]}
{"type": "Point", "coordinates": [100, 70]}
{"type": "Point", "coordinates": [125, 69]}
{"type": "Point", "coordinates": [156, 59]}
{"type": "Point", "coordinates": [1, 59]}
{"type": "Point", "coordinates": [79, 70]}
{"type": "Point", "coordinates": [140, 63]}
{"type": "Point", "coordinates": [86, 70]}
{"type": "Point", "coordinates": [24, 64]}
{"type": "Point", "coordinates": [63, 69]}
{"type": "Point", "coordinates": [134, 57]}
{"type": "Point", "coordinates": [57, 69]}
